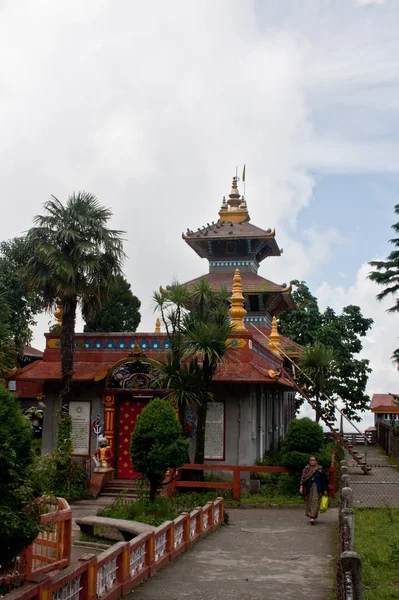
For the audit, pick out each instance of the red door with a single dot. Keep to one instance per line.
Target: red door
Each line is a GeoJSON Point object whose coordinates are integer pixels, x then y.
{"type": "Point", "coordinates": [128, 412]}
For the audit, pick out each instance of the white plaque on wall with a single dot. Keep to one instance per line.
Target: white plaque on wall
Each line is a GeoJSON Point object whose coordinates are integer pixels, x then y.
{"type": "Point", "coordinates": [214, 431]}
{"type": "Point", "coordinates": [80, 415]}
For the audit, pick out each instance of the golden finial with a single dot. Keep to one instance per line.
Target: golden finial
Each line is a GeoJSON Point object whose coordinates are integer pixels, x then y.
{"type": "Point", "coordinates": [235, 209]}
{"type": "Point", "coordinates": [158, 325]}
{"type": "Point", "coordinates": [237, 311]}
{"type": "Point", "coordinates": [58, 314]}
{"type": "Point", "coordinates": [274, 337]}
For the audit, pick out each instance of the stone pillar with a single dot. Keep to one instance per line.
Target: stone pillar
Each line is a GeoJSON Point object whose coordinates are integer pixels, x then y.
{"type": "Point", "coordinates": [351, 568]}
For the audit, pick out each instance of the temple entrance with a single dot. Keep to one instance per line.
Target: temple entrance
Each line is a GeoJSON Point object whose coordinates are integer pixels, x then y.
{"type": "Point", "coordinates": [128, 411]}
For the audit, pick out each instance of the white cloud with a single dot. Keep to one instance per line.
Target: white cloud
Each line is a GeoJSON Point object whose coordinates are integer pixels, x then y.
{"type": "Point", "coordinates": [152, 105]}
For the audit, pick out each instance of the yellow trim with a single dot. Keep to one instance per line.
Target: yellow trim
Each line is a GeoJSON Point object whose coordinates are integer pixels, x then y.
{"type": "Point", "coordinates": [92, 581]}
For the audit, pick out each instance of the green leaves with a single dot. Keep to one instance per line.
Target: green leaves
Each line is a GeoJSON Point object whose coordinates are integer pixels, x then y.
{"type": "Point", "coordinates": [342, 375]}
{"type": "Point", "coordinates": [18, 525]}
{"type": "Point", "coordinates": [386, 275]}
{"type": "Point", "coordinates": [119, 311]}
{"type": "Point", "coordinates": [157, 443]}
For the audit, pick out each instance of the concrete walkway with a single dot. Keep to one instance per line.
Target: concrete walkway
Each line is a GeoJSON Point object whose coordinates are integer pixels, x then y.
{"type": "Point", "coordinates": [380, 487]}
{"type": "Point", "coordinates": [263, 554]}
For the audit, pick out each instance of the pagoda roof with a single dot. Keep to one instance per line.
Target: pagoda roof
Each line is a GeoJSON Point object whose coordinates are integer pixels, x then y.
{"type": "Point", "coordinates": [251, 283]}
{"type": "Point", "coordinates": [229, 230]}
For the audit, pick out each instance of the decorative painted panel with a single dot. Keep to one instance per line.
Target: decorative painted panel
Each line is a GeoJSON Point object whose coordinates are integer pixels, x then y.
{"type": "Point", "coordinates": [128, 412]}
{"type": "Point", "coordinates": [135, 374]}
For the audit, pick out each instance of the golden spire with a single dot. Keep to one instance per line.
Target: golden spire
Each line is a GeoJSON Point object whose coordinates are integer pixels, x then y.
{"type": "Point", "coordinates": [235, 209]}
{"type": "Point", "coordinates": [158, 325]}
{"type": "Point", "coordinates": [237, 311]}
{"type": "Point", "coordinates": [274, 337]}
{"type": "Point", "coordinates": [58, 314]}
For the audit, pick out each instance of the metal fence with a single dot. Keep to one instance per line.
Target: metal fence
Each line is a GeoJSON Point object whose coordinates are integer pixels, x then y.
{"type": "Point", "coordinates": [378, 488]}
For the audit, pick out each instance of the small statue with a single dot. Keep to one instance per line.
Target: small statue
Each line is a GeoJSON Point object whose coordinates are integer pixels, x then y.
{"type": "Point", "coordinates": [104, 455]}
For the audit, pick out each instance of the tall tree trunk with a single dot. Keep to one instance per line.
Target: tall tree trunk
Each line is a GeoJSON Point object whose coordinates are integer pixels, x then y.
{"type": "Point", "coordinates": [154, 484]}
{"type": "Point", "coordinates": [200, 441]}
{"type": "Point", "coordinates": [67, 351]}
{"type": "Point", "coordinates": [318, 412]}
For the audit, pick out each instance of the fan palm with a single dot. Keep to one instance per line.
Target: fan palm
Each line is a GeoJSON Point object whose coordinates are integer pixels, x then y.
{"type": "Point", "coordinates": [386, 274]}
{"type": "Point", "coordinates": [317, 363]}
{"type": "Point", "coordinates": [73, 259]}
{"type": "Point", "coordinates": [207, 345]}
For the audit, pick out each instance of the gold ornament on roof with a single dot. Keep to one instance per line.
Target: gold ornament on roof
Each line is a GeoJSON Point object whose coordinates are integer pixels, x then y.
{"type": "Point", "coordinates": [237, 311]}
{"type": "Point", "coordinates": [274, 337]}
{"type": "Point", "coordinates": [58, 313]}
{"type": "Point", "coordinates": [235, 209]}
{"type": "Point", "coordinates": [158, 325]}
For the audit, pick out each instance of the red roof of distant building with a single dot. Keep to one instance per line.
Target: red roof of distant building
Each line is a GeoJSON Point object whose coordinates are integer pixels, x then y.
{"type": "Point", "coordinates": [51, 371]}
{"type": "Point", "coordinates": [380, 401]}
{"type": "Point", "coordinates": [33, 352]}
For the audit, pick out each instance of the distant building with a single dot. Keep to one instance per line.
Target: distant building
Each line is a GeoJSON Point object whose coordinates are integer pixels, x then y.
{"type": "Point", "coordinates": [385, 408]}
{"type": "Point", "coordinates": [115, 374]}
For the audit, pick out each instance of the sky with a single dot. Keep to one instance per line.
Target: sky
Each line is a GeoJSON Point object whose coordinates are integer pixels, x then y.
{"type": "Point", "coordinates": [152, 105]}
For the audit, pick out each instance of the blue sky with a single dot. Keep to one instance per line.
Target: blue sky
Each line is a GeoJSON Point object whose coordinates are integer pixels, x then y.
{"type": "Point", "coordinates": [152, 105]}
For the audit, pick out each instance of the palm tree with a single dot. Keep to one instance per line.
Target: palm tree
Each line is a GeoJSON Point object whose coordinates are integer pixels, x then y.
{"type": "Point", "coordinates": [387, 275]}
{"type": "Point", "coordinates": [317, 363]}
{"type": "Point", "coordinates": [73, 259]}
{"type": "Point", "coordinates": [196, 322]}
{"type": "Point", "coordinates": [207, 345]}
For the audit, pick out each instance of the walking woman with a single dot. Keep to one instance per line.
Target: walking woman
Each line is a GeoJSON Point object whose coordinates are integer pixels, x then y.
{"type": "Point", "coordinates": [313, 486]}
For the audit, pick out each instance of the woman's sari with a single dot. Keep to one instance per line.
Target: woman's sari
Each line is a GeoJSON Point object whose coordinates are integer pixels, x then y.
{"type": "Point", "coordinates": [313, 484]}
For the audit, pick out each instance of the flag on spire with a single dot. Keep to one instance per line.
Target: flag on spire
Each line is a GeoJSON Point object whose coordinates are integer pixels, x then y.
{"type": "Point", "coordinates": [243, 174]}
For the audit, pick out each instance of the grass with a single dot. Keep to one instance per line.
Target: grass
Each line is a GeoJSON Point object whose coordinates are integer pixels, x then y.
{"type": "Point", "coordinates": [377, 542]}
{"type": "Point", "coordinates": [97, 539]}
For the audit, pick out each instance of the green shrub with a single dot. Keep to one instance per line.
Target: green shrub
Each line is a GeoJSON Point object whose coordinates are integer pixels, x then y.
{"type": "Point", "coordinates": [19, 520]}
{"type": "Point", "coordinates": [157, 443]}
{"type": "Point", "coordinates": [303, 435]}
{"type": "Point", "coordinates": [304, 438]}
{"type": "Point", "coordinates": [47, 481]}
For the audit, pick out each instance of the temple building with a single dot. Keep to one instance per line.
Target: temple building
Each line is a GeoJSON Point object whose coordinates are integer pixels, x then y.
{"type": "Point", "coordinates": [116, 374]}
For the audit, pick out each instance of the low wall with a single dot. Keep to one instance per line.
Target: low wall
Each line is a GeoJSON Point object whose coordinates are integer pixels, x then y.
{"type": "Point", "coordinates": [349, 564]}
{"type": "Point", "coordinates": [116, 571]}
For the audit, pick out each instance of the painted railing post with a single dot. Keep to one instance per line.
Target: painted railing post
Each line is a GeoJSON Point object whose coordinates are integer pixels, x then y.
{"type": "Point", "coordinates": [170, 538]}
{"type": "Point", "coordinates": [87, 592]}
{"type": "Point", "coordinates": [151, 549]}
{"type": "Point", "coordinates": [221, 509]}
{"type": "Point", "coordinates": [236, 483]}
{"type": "Point", "coordinates": [200, 521]}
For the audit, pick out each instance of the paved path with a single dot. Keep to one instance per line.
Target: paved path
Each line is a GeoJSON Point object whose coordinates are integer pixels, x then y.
{"type": "Point", "coordinates": [380, 487]}
{"type": "Point", "coordinates": [85, 508]}
{"type": "Point", "coordinates": [263, 554]}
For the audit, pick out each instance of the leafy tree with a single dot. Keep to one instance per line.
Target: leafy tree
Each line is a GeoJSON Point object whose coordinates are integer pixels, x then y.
{"type": "Point", "coordinates": [317, 363]}
{"type": "Point", "coordinates": [19, 522]}
{"type": "Point", "coordinates": [119, 311]}
{"type": "Point", "coordinates": [8, 352]}
{"type": "Point", "coordinates": [386, 275]}
{"type": "Point", "coordinates": [23, 303]}
{"type": "Point", "coordinates": [304, 438]}
{"type": "Point", "coordinates": [196, 322]}
{"type": "Point", "coordinates": [341, 333]}
{"type": "Point", "coordinates": [157, 443]}
{"type": "Point", "coordinates": [73, 258]}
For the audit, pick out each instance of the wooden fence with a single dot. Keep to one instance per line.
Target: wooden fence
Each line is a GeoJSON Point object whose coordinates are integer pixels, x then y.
{"type": "Point", "coordinates": [115, 572]}
{"type": "Point", "coordinates": [387, 439]}
{"type": "Point", "coordinates": [52, 548]}
{"type": "Point", "coordinates": [235, 484]}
